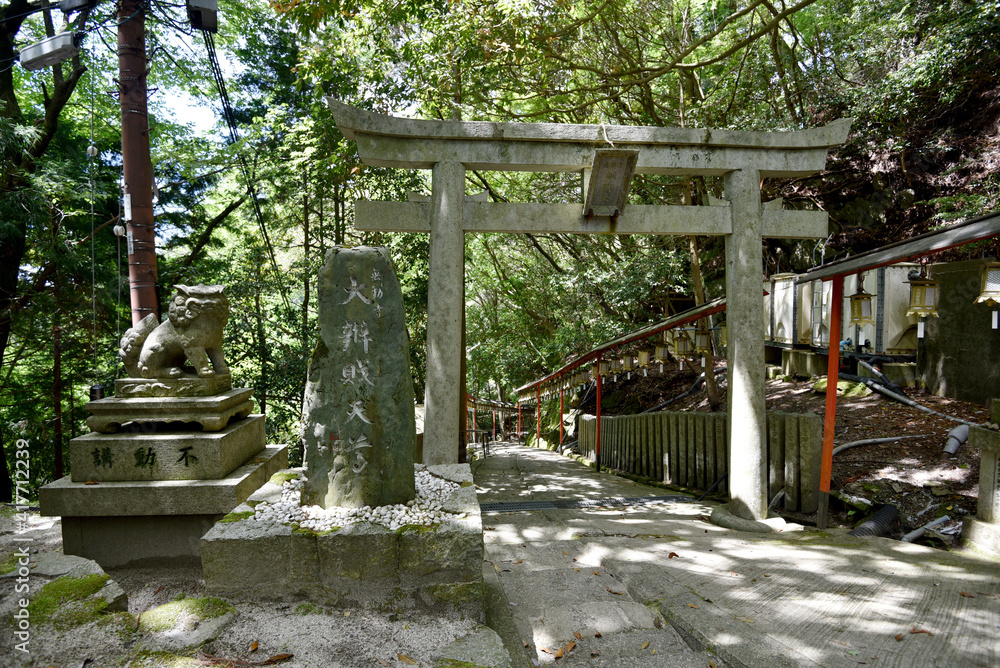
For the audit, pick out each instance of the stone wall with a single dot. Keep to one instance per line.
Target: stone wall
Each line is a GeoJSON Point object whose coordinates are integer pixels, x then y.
{"type": "Point", "coordinates": [960, 356]}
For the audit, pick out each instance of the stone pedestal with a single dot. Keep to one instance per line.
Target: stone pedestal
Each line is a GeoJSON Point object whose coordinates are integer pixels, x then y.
{"type": "Point", "coordinates": [166, 455]}
{"type": "Point", "coordinates": [211, 412]}
{"type": "Point", "coordinates": [437, 569]}
{"type": "Point", "coordinates": [983, 530]}
{"type": "Point", "coordinates": [155, 521]}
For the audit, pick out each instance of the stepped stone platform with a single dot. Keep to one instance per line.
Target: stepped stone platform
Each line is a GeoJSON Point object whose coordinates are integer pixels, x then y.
{"type": "Point", "coordinates": [211, 412]}
{"type": "Point", "coordinates": [436, 569]}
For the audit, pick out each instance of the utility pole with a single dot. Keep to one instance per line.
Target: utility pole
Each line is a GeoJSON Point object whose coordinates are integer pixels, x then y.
{"type": "Point", "coordinates": [136, 166]}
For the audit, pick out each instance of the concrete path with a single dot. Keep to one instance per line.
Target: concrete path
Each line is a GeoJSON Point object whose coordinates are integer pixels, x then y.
{"type": "Point", "coordinates": [658, 585]}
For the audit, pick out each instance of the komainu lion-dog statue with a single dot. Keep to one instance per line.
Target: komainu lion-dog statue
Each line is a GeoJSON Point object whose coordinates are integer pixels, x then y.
{"type": "Point", "coordinates": [192, 332]}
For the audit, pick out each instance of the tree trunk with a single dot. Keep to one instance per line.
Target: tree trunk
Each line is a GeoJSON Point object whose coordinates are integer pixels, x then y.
{"type": "Point", "coordinates": [261, 348]}
{"type": "Point", "coordinates": [699, 298]}
{"type": "Point", "coordinates": [57, 431]}
{"type": "Point", "coordinates": [136, 167]}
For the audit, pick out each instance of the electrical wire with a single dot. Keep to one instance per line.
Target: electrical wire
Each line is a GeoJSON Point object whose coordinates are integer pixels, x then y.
{"type": "Point", "coordinates": [227, 112]}
{"type": "Point", "coordinates": [91, 155]}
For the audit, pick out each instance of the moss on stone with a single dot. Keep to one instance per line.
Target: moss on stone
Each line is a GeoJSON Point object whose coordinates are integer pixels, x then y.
{"type": "Point", "coordinates": [306, 531]}
{"type": "Point", "coordinates": [9, 564]}
{"type": "Point", "coordinates": [122, 624]}
{"type": "Point", "coordinates": [67, 601]}
{"type": "Point", "coordinates": [455, 663]}
{"type": "Point", "coordinates": [282, 477]}
{"type": "Point", "coordinates": [164, 617]}
{"type": "Point", "coordinates": [237, 517]}
{"type": "Point", "coordinates": [309, 608]}
{"type": "Point", "coordinates": [164, 660]}
{"type": "Point", "coordinates": [418, 528]}
{"type": "Point", "coordinates": [457, 593]}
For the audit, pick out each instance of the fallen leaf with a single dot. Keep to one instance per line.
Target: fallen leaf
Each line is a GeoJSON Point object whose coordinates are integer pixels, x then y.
{"type": "Point", "coordinates": [159, 589]}
{"type": "Point", "coordinates": [570, 646]}
{"type": "Point", "coordinates": [406, 659]}
{"type": "Point", "coordinates": [496, 568]}
{"type": "Point", "coordinates": [672, 555]}
{"type": "Point", "coordinates": [519, 561]}
{"type": "Point", "coordinates": [347, 614]}
{"type": "Point", "coordinates": [966, 594]}
{"type": "Point", "coordinates": [711, 664]}
{"type": "Point", "coordinates": [576, 634]}
{"type": "Point", "coordinates": [578, 570]}
{"type": "Point", "coordinates": [596, 573]}
{"type": "Point", "coordinates": [253, 646]}
{"type": "Point", "coordinates": [899, 637]}
{"type": "Point", "coordinates": [733, 574]}
{"type": "Point", "coordinates": [692, 605]}
{"type": "Point", "coordinates": [546, 650]}
{"type": "Point", "coordinates": [91, 482]}
{"type": "Point", "coordinates": [597, 634]}
{"type": "Point", "coordinates": [645, 644]}
{"type": "Point", "coordinates": [277, 658]}
{"type": "Point", "coordinates": [567, 554]}
{"type": "Point", "coordinates": [916, 630]}
{"type": "Point", "coordinates": [559, 653]}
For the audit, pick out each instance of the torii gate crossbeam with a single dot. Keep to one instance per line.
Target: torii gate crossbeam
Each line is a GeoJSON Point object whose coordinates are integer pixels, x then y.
{"type": "Point", "coordinates": [449, 148]}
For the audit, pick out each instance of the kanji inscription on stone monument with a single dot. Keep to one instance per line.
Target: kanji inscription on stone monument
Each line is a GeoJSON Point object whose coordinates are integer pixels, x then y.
{"type": "Point", "coordinates": [358, 429]}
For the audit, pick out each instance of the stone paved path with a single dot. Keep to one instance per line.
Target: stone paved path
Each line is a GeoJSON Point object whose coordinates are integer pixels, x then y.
{"type": "Point", "coordinates": [661, 578]}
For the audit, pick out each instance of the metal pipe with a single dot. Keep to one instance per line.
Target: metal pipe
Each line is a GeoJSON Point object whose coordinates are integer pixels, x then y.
{"type": "Point", "coordinates": [917, 533]}
{"type": "Point", "coordinates": [872, 441]}
{"type": "Point", "coordinates": [956, 437]}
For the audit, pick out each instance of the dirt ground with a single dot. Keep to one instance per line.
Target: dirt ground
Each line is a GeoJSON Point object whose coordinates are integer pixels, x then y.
{"type": "Point", "coordinates": [913, 473]}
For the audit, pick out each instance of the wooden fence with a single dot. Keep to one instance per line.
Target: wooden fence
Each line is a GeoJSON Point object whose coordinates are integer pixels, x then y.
{"type": "Point", "coordinates": [691, 449]}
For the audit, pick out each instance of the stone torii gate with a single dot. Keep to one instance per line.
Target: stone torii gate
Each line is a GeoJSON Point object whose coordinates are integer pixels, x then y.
{"type": "Point", "coordinates": [449, 148]}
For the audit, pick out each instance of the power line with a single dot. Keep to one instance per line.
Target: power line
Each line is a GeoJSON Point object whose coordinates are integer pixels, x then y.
{"type": "Point", "coordinates": [227, 112]}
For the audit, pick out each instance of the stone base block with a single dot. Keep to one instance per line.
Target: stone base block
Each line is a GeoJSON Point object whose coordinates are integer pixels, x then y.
{"type": "Point", "coordinates": [802, 363]}
{"type": "Point", "coordinates": [167, 455]}
{"type": "Point", "coordinates": [212, 413]}
{"type": "Point", "coordinates": [982, 535]}
{"type": "Point", "coordinates": [120, 541]}
{"type": "Point", "coordinates": [118, 523]}
{"type": "Point", "coordinates": [436, 569]}
{"type": "Point", "coordinates": [185, 386]}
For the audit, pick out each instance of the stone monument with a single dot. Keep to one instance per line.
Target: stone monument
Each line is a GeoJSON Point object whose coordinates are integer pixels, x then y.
{"type": "Point", "coordinates": [360, 525]}
{"type": "Point", "coordinates": [983, 530]}
{"type": "Point", "coordinates": [358, 426]}
{"type": "Point", "coordinates": [174, 450]}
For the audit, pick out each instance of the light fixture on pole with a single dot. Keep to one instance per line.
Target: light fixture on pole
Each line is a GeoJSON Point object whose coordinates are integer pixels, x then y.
{"type": "Point", "coordinates": [861, 306]}
{"type": "Point", "coordinates": [661, 354]}
{"type": "Point", "coordinates": [203, 14]}
{"type": "Point", "coordinates": [702, 341]}
{"type": "Point", "coordinates": [923, 297]}
{"type": "Point", "coordinates": [682, 347]}
{"type": "Point", "coordinates": [989, 291]}
{"type": "Point", "coordinates": [610, 180]}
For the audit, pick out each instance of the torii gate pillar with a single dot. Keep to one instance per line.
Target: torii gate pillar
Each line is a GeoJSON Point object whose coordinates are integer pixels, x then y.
{"type": "Point", "coordinates": [449, 148]}
{"type": "Point", "coordinates": [745, 399]}
{"type": "Point", "coordinates": [443, 410]}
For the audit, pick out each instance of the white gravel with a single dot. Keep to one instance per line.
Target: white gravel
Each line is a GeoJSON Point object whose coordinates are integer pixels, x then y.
{"type": "Point", "coordinates": [425, 509]}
